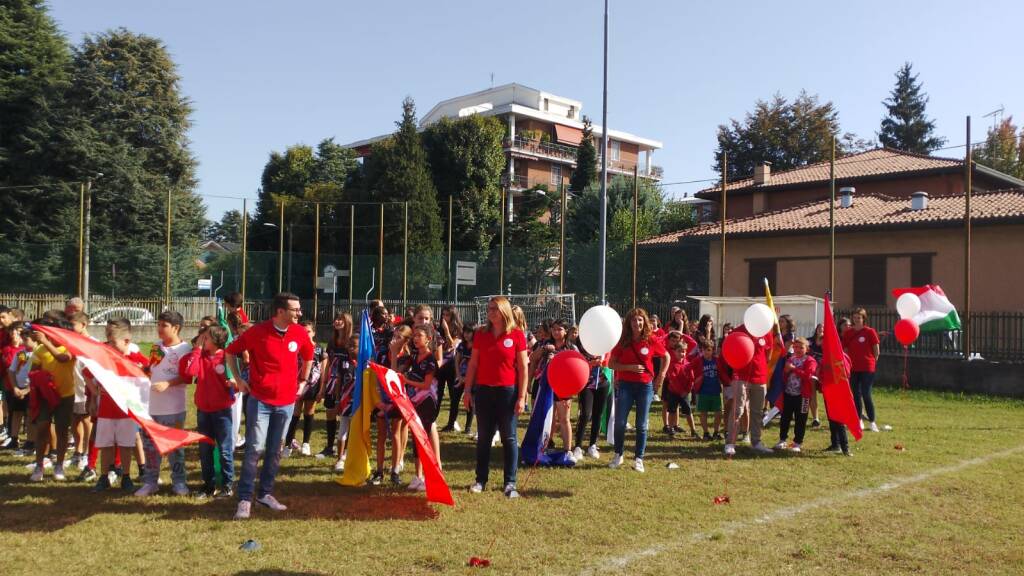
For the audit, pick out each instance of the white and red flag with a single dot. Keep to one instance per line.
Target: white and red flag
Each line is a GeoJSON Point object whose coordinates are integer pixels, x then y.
{"type": "Point", "coordinates": [437, 488]}
{"type": "Point", "coordinates": [125, 383]}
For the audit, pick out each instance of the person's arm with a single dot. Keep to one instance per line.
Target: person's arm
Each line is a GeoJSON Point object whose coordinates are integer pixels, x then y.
{"type": "Point", "coordinates": [470, 381]}
{"type": "Point", "coordinates": [637, 368]}
{"type": "Point", "coordinates": [875, 348]}
{"type": "Point", "coordinates": [665, 359]}
{"type": "Point", "coordinates": [698, 379]}
{"type": "Point", "coordinates": [232, 363]}
{"type": "Point", "coordinates": [522, 378]}
{"type": "Point", "coordinates": [59, 356]}
{"type": "Point", "coordinates": [458, 362]}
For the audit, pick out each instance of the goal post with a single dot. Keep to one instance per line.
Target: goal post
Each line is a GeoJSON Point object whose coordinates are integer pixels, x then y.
{"type": "Point", "coordinates": [536, 307]}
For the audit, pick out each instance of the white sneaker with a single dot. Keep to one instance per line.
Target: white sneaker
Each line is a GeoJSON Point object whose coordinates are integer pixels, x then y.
{"type": "Point", "coordinates": [456, 427]}
{"type": "Point", "coordinates": [476, 488]}
{"type": "Point", "coordinates": [37, 474]}
{"type": "Point", "coordinates": [730, 450]}
{"type": "Point", "coordinates": [638, 465]}
{"type": "Point", "coordinates": [656, 398]}
{"type": "Point", "coordinates": [286, 452]}
{"type": "Point", "coordinates": [795, 448]}
{"type": "Point", "coordinates": [147, 490]}
{"type": "Point", "coordinates": [510, 491]}
{"type": "Point", "coordinates": [339, 466]}
{"type": "Point", "coordinates": [629, 427]}
{"type": "Point", "coordinates": [874, 427]}
{"type": "Point", "coordinates": [180, 490]}
{"type": "Point", "coordinates": [475, 435]}
{"type": "Point", "coordinates": [759, 447]}
{"type": "Point", "coordinates": [244, 510]}
{"type": "Point", "coordinates": [240, 442]}
{"type": "Point", "coordinates": [417, 485]}
{"type": "Point", "coordinates": [401, 466]}
{"type": "Point", "coordinates": [781, 445]}
{"type": "Point", "coordinates": [571, 457]}
{"type": "Point", "coordinates": [58, 473]}
{"type": "Point", "coordinates": [496, 440]}
{"type": "Point", "coordinates": [577, 454]}
{"type": "Point", "coordinates": [270, 502]}
{"type": "Point", "coordinates": [305, 449]}
{"type": "Point", "coordinates": [593, 452]}
{"type": "Point", "coordinates": [616, 461]}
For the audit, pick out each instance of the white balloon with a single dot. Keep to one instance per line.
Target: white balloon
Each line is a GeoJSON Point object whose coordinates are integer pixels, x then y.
{"type": "Point", "coordinates": [908, 305]}
{"type": "Point", "coordinates": [600, 329]}
{"type": "Point", "coordinates": [759, 320]}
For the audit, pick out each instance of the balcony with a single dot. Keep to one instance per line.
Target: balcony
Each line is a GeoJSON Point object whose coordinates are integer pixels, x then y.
{"type": "Point", "coordinates": [626, 168]}
{"type": "Point", "coordinates": [540, 149]}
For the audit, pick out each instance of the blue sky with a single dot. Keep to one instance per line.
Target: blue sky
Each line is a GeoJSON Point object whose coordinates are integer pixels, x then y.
{"type": "Point", "coordinates": [264, 75]}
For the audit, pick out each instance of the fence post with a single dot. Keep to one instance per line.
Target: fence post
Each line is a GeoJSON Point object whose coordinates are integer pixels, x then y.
{"type": "Point", "coordinates": [167, 256]}
{"type": "Point", "coordinates": [245, 241]}
{"type": "Point", "coordinates": [316, 262]}
{"type": "Point", "coordinates": [351, 250]}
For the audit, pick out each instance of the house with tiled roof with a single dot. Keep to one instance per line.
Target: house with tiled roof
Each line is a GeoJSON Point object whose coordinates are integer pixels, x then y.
{"type": "Point", "coordinates": [899, 222]}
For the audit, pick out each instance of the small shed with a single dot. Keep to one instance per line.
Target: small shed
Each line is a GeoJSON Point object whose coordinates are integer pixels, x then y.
{"type": "Point", "coordinates": [806, 311]}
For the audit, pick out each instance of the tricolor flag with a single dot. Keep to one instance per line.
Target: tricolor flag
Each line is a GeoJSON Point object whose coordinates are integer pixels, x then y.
{"type": "Point", "coordinates": [364, 399]}
{"type": "Point", "coordinates": [835, 377]}
{"type": "Point", "coordinates": [533, 451]}
{"type": "Point", "coordinates": [937, 312]}
{"type": "Point", "coordinates": [776, 362]}
{"type": "Point", "coordinates": [125, 383]}
{"type": "Point", "coordinates": [437, 488]}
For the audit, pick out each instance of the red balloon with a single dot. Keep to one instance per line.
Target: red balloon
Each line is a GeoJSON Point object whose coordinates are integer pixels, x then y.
{"type": "Point", "coordinates": [568, 373]}
{"type": "Point", "coordinates": [738, 350]}
{"type": "Point", "coordinates": [907, 331]}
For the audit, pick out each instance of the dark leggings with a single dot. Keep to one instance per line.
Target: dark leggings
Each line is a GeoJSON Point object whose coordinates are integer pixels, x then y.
{"type": "Point", "coordinates": [453, 408]}
{"type": "Point", "coordinates": [591, 409]}
{"type": "Point", "coordinates": [445, 377]}
{"type": "Point", "coordinates": [838, 432]}
{"type": "Point", "coordinates": [496, 410]}
{"type": "Point", "coordinates": [793, 407]}
{"type": "Point", "coordinates": [861, 383]}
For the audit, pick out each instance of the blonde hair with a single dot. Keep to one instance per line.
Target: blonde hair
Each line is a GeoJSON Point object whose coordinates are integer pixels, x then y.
{"type": "Point", "coordinates": [505, 309]}
{"type": "Point", "coordinates": [801, 340]}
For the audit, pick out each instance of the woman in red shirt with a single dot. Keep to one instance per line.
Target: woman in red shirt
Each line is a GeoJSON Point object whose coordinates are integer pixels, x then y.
{"type": "Point", "coordinates": [632, 359]}
{"type": "Point", "coordinates": [496, 382]}
{"type": "Point", "coordinates": [861, 343]}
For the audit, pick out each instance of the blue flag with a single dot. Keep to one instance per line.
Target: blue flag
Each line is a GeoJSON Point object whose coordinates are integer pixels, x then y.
{"type": "Point", "coordinates": [538, 433]}
{"type": "Point", "coordinates": [366, 353]}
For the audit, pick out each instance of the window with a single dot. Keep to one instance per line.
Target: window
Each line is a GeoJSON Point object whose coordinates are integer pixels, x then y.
{"type": "Point", "coordinates": [920, 269]}
{"type": "Point", "coordinates": [869, 281]}
{"type": "Point", "coordinates": [556, 176]}
{"type": "Point", "coordinates": [572, 112]}
{"type": "Point", "coordinates": [616, 147]}
{"type": "Point", "coordinates": [546, 105]}
{"type": "Point", "coordinates": [759, 270]}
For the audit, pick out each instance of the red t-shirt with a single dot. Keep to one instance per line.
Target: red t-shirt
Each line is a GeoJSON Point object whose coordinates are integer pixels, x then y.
{"type": "Point", "coordinates": [274, 360]}
{"type": "Point", "coordinates": [213, 391]}
{"type": "Point", "coordinates": [757, 371]}
{"type": "Point", "coordinates": [242, 316]}
{"type": "Point", "coordinates": [638, 353]}
{"type": "Point", "coordinates": [680, 377]}
{"type": "Point", "coordinates": [107, 408]}
{"type": "Point", "coordinates": [859, 345]}
{"type": "Point", "coordinates": [497, 357]}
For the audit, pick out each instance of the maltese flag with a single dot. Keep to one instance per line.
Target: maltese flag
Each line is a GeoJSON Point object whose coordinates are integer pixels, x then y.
{"type": "Point", "coordinates": [125, 383]}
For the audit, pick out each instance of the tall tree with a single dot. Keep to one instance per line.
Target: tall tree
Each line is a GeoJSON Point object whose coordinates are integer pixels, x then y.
{"type": "Point", "coordinates": [1003, 149]}
{"type": "Point", "coordinates": [466, 162]}
{"type": "Point", "coordinates": [586, 160]}
{"type": "Point", "coordinates": [905, 126]}
{"type": "Point", "coordinates": [532, 247]}
{"type": "Point", "coordinates": [227, 229]}
{"type": "Point", "coordinates": [786, 134]}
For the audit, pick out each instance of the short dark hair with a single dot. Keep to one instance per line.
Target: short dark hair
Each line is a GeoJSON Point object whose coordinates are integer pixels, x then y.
{"type": "Point", "coordinates": [120, 322]}
{"type": "Point", "coordinates": [234, 299]}
{"type": "Point", "coordinates": [4, 309]}
{"type": "Point", "coordinates": [218, 335]}
{"type": "Point", "coordinates": [171, 317]}
{"type": "Point", "coordinates": [307, 322]}
{"type": "Point", "coordinates": [81, 317]}
{"type": "Point", "coordinates": [281, 300]}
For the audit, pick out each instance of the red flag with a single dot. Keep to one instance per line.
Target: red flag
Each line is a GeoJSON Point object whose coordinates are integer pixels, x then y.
{"type": "Point", "coordinates": [835, 378]}
{"type": "Point", "coordinates": [125, 383]}
{"type": "Point", "coordinates": [437, 488]}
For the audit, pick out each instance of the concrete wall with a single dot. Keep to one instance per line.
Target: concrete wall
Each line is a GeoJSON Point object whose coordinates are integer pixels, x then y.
{"type": "Point", "coordinates": [953, 375]}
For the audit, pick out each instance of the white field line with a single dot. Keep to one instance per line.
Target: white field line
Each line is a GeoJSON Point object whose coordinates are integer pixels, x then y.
{"type": "Point", "coordinates": [621, 562]}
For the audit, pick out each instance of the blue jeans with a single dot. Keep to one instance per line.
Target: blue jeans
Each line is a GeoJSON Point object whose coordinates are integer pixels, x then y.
{"type": "Point", "coordinates": [176, 458]}
{"type": "Point", "coordinates": [217, 425]}
{"type": "Point", "coordinates": [264, 429]}
{"type": "Point", "coordinates": [861, 383]}
{"type": "Point", "coordinates": [626, 395]}
{"type": "Point", "coordinates": [496, 410]}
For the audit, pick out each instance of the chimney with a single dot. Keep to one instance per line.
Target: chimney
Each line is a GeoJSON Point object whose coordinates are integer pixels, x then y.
{"type": "Point", "coordinates": [846, 196]}
{"type": "Point", "coordinates": [919, 201]}
{"type": "Point", "coordinates": [763, 173]}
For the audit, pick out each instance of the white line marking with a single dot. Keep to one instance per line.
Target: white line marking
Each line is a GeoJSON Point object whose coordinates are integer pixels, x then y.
{"type": "Point", "coordinates": [730, 528]}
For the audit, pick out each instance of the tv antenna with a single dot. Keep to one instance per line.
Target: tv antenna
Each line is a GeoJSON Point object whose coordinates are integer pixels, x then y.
{"type": "Point", "coordinates": [997, 116]}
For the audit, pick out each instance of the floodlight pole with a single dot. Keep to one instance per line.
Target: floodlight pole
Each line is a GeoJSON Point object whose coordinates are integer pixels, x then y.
{"type": "Point", "coordinates": [604, 166]}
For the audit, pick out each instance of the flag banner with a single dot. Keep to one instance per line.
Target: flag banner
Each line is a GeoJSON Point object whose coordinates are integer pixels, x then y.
{"type": "Point", "coordinates": [776, 360]}
{"type": "Point", "coordinates": [835, 378]}
{"type": "Point", "coordinates": [532, 452]}
{"type": "Point", "coordinates": [608, 424]}
{"type": "Point", "coordinates": [937, 312]}
{"type": "Point", "coordinates": [357, 460]}
{"type": "Point", "coordinates": [778, 381]}
{"type": "Point", "coordinates": [125, 383]}
{"type": "Point", "coordinates": [364, 356]}
{"type": "Point", "coordinates": [437, 489]}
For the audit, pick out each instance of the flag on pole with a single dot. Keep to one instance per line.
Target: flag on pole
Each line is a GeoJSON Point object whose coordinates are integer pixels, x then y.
{"type": "Point", "coordinates": [437, 488]}
{"type": "Point", "coordinates": [125, 383]}
{"type": "Point", "coordinates": [937, 312]}
{"type": "Point", "coordinates": [364, 356]}
{"type": "Point", "coordinates": [776, 361]}
{"type": "Point", "coordinates": [357, 461]}
{"type": "Point", "coordinates": [538, 434]}
{"type": "Point", "coordinates": [835, 377]}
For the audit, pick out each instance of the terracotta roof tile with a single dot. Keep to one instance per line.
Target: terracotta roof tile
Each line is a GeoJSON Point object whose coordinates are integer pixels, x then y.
{"type": "Point", "coordinates": [867, 211]}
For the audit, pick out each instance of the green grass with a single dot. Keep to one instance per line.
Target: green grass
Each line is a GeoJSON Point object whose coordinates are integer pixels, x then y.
{"type": "Point", "coordinates": [959, 520]}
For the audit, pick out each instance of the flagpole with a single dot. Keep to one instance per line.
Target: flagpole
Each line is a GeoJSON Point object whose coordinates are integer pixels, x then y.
{"type": "Point", "coordinates": [832, 221]}
{"type": "Point", "coordinates": [245, 241]}
{"type": "Point", "coordinates": [316, 261]}
{"type": "Point", "coordinates": [968, 161]}
{"type": "Point", "coordinates": [351, 250]}
{"type": "Point", "coordinates": [725, 186]}
{"type": "Point", "coordinates": [604, 166]}
{"type": "Point", "coordinates": [380, 257]}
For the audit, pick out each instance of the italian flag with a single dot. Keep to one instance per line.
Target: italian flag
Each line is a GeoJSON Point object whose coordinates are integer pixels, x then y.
{"type": "Point", "coordinates": [937, 312]}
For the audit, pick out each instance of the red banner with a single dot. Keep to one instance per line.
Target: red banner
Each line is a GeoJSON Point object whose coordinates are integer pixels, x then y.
{"type": "Point", "coordinates": [437, 488]}
{"type": "Point", "coordinates": [835, 378]}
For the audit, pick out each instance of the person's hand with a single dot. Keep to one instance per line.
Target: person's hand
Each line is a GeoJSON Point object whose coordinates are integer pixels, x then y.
{"type": "Point", "coordinates": [549, 347]}
{"type": "Point", "coordinates": [467, 400]}
{"type": "Point", "coordinates": [160, 386]}
{"type": "Point", "coordinates": [520, 405]}
{"type": "Point", "coordinates": [40, 337]}
{"type": "Point", "coordinates": [638, 368]}
{"type": "Point", "coordinates": [242, 385]}
{"type": "Point", "coordinates": [301, 390]}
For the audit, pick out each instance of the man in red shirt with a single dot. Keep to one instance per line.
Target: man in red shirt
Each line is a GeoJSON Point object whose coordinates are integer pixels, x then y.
{"type": "Point", "coordinates": [274, 348]}
{"type": "Point", "coordinates": [750, 384]}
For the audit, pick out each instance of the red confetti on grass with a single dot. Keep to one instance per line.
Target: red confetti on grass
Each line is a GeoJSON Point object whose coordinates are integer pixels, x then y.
{"type": "Point", "coordinates": [475, 562]}
{"type": "Point", "coordinates": [899, 447]}
{"type": "Point", "coordinates": [724, 498]}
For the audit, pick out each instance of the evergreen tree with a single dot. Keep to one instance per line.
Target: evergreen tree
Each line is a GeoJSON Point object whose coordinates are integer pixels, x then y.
{"type": "Point", "coordinates": [227, 229]}
{"type": "Point", "coordinates": [906, 127]}
{"type": "Point", "coordinates": [1003, 149]}
{"type": "Point", "coordinates": [586, 160]}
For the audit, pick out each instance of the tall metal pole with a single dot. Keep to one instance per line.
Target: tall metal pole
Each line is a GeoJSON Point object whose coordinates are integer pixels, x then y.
{"type": "Point", "coordinates": [450, 211]}
{"type": "Point", "coordinates": [380, 258]}
{"type": "Point", "coordinates": [85, 242]}
{"type": "Point", "coordinates": [81, 235]}
{"type": "Point", "coordinates": [832, 223]}
{"type": "Point", "coordinates": [561, 249]}
{"type": "Point", "coordinates": [405, 259]}
{"type": "Point", "coordinates": [245, 242]}
{"type": "Point", "coordinates": [280, 251]}
{"type": "Point", "coordinates": [968, 169]}
{"type": "Point", "coordinates": [725, 198]}
{"type": "Point", "coordinates": [351, 250]}
{"type": "Point", "coordinates": [636, 218]}
{"type": "Point", "coordinates": [604, 166]}
{"type": "Point", "coordinates": [167, 256]}
{"type": "Point", "coordinates": [316, 261]}
{"type": "Point", "coordinates": [501, 248]}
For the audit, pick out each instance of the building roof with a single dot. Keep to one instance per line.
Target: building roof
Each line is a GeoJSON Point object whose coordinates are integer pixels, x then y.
{"type": "Point", "coordinates": [868, 212]}
{"type": "Point", "coordinates": [878, 162]}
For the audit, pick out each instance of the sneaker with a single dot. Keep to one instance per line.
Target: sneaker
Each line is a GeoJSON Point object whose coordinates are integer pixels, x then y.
{"type": "Point", "coordinates": [225, 492]}
{"type": "Point", "coordinates": [571, 457]}
{"type": "Point", "coordinates": [630, 427]}
{"type": "Point", "coordinates": [707, 437]}
{"type": "Point", "coordinates": [339, 465]}
{"type": "Point", "coordinates": [87, 475]}
{"type": "Point", "coordinates": [476, 488]}
{"type": "Point", "coordinates": [656, 398]}
{"type": "Point", "coordinates": [396, 480]}
{"type": "Point", "coordinates": [240, 442]}
{"type": "Point", "coordinates": [377, 479]}
{"type": "Point", "coordinates": [102, 485]}
{"type": "Point", "coordinates": [781, 445]}
{"type": "Point", "coordinates": [475, 436]}
{"type": "Point", "coordinates": [207, 492]}
{"type": "Point", "coordinates": [456, 427]}
{"type": "Point", "coordinates": [37, 474]}
{"type": "Point", "coordinates": [496, 440]}
{"type": "Point", "coordinates": [832, 448]}
{"type": "Point", "coordinates": [616, 461]}
{"type": "Point", "coordinates": [401, 466]}
{"type": "Point", "coordinates": [510, 491]}
{"type": "Point", "coordinates": [244, 510]}
{"type": "Point", "coordinates": [593, 452]}
{"type": "Point", "coordinates": [795, 448]}
{"type": "Point", "coordinates": [270, 502]}
{"type": "Point", "coordinates": [638, 465]}
{"type": "Point", "coordinates": [730, 450]}
{"type": "Point", "coordinates": [761, 448]}
{"type": "Point", "coordinates": [327, 452]}
{"type": "Point", "coordinates": [846, 452]}
{"type": "Point", "coordinates": [58, 473]}
{"type": "Point", "coordinates": [286, 452]}
{"type": "Point", "coordinates": [306, 450]}
{"type": "Point", "coordinates": [180, 490]}
{"type": "Point", "coordinates": [816, 423]}
{"type": "Point", "coordinates": [577, 454]}
{"type": "Point", "coordinates": [874, 427]}
{"type": "Point", "coordinates": [47, 463]}
{"type": "Point", "coordinates": [668, 430]}
{"type": "Point", "coordinates": [417, 485]}
{"type": "Point", "coordinates": [127, 484]}
{"type": "Point", "coordinates": [147, 490]}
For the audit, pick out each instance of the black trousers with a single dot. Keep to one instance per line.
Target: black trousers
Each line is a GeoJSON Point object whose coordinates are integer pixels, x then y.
{"type": "Point", "coordinates": [793, 407]}
{"type": "Point", "coordinates": [591, 409]}
{"type": "Point", "coordinates": [496, 410]}
{"type": "Point", "coordinates": [445, 378]}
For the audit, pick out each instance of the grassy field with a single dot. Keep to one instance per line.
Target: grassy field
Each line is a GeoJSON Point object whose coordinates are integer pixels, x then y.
{"type": "Point", "coordinates": [948, 503]}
